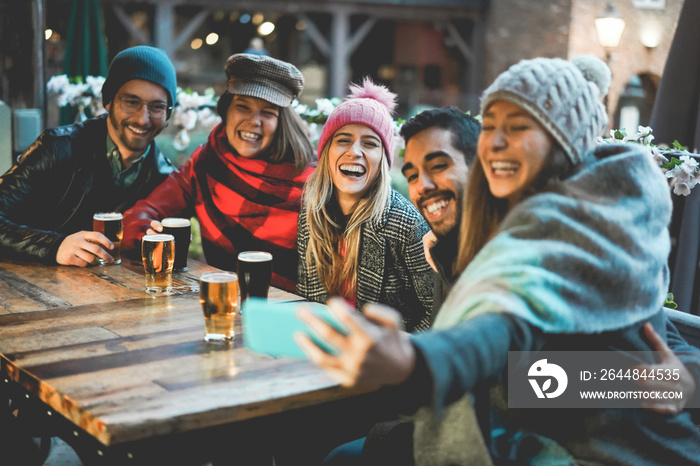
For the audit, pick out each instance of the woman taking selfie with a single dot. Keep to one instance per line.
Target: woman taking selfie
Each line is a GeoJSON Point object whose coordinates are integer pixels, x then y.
{"type": "Point", "coordinates": [244, 185]}
{"type": "Point", "coordinates": [563, 249]}
{"type": "Point", "coordinates": [358, 237]}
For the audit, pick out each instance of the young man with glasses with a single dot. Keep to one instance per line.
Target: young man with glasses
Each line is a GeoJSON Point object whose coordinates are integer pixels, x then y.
{"type": "Point", "coordinates": [104, 164]}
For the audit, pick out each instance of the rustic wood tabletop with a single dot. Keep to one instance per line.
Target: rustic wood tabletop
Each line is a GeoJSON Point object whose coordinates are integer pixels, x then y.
{"type": "Point", "coordinates": [122, 366]}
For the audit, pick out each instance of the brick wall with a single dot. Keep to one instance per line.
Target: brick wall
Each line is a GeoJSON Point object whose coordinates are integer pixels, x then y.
{"type": "Point", "coordinates": [517, 29]}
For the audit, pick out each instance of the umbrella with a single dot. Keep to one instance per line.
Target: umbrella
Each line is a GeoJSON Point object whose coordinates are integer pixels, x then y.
{"type": "Point", "coordinates": [676, 116]}
{"type": "Point", "coordinates": [86, 46]}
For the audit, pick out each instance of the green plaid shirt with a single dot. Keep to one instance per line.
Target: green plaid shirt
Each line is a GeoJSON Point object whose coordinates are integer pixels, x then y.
{"type": "Point", "coordinates": [123, 177]}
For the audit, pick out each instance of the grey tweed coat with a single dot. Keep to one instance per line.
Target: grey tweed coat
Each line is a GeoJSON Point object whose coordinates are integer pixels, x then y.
{"type": "Point", "coordinates": [393, 269]}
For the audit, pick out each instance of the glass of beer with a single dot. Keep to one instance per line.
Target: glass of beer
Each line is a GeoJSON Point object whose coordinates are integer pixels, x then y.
{"type": "Point", "coordinates": [158, 254]}
{"type": "Point", "coordinates": [180, 228]}
{"type": "Point", "coordinates": [254, 273]}
{"type": "Point", "coordinates": [110, 225]}
{"type": "Point", "coordinates": [218, 294]}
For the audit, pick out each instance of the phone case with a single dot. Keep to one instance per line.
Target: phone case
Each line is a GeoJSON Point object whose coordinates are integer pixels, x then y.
{"type": "Point", "coordinates": [269, 328]}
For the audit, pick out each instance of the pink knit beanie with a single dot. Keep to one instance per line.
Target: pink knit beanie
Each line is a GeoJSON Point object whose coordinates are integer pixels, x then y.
{"type": "Point", "coordinates": [371, 105]}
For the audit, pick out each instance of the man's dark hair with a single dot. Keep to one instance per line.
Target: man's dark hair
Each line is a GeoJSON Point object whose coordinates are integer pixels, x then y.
{"type": "Point", "coordinates": [464, 128]}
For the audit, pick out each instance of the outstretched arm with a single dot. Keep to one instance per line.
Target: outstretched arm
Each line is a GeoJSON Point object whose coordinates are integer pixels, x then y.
{"type": "Point", "coordinates": [435, 367]}
{"type": "Point", "coordinates": [174, 197]}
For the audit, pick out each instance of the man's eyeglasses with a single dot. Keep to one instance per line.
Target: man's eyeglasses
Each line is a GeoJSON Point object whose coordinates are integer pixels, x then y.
{"type": "Point", "coordinates": [133, 104]}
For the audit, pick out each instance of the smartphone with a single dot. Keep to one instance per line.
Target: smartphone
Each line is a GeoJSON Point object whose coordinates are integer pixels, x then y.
{"type": "Point", "coordinates": [269, 327]}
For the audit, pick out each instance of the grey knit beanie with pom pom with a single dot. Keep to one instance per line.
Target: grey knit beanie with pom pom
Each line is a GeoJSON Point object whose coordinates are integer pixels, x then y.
{"type": "Point", "coordinates": [564, 96]}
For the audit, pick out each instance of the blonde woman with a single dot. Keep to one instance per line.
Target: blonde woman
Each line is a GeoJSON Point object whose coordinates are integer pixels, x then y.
{"type": "Point", "coordinates": [563, 246]}
{"type": "Point", "coordinates": [359, 238]}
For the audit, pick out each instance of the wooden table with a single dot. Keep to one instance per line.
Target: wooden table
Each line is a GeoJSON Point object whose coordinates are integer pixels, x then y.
{"type": "Point", "coordinates": [89, 347]}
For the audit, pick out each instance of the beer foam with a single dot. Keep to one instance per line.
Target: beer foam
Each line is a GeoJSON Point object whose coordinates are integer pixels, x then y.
{"type": "Point", "coordinates": [173, 222]}
{"type": "Point", "coordinates": [254, 256]}
{"type": "Point", "coordinates": [158, 238]}
{"type": "Point", "coordinates": [107, 216]}
{"type": "Point", "coordinates": [219, 277]}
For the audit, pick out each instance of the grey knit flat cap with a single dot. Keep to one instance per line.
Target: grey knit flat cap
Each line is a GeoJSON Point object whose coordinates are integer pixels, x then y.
{"type": "Point", "coordinates": [264, 77]}
{"type": "Point", "coordinates": [564, 96]}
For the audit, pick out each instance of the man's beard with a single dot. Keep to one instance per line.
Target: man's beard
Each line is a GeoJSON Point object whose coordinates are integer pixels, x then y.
{"type": "Point", "coordinates": [132, 144]}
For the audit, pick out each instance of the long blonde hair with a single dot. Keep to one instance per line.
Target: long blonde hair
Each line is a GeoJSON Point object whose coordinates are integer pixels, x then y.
{"type": "Point", "coordinates": [483, 212]}
{"type": "Point", "coordinates": [327, 227]}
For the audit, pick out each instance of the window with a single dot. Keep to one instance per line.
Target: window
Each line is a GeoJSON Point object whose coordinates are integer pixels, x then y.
{"type": "Point", "coordinates": [650, 4]}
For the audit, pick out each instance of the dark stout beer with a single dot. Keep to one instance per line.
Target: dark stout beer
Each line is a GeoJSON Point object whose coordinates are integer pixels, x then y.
{"type": "Point", "coordinates": [110, 225]}
{"type": "Point", "coordinates": [180, 228]}
{"type": "Point", "coordinates": [254, 273]}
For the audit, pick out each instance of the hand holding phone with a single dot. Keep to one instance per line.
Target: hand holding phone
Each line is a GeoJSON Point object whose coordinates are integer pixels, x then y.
{"type": "Point", "coordinates": [270, 327]}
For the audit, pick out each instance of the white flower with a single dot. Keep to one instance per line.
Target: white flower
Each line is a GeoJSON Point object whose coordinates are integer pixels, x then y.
{"type": "Point", "coordinates": [681, 189]}
{"type": "Point", "coordinates": [78, 94]}
{"type": "Point", "coordinates": [300, 108]}
{"type": "Point", "coordinates": [181, 140]}
{"type": "Point", "coordinates": [58, 84]}
{"type": "Point", "coordinates": [684, 175]}
{"type": "Point", "coordinates": [189, 101]}
{"type": "Point", "coordinates": [644, 135]}
{"type": "Point", "coordinates": [689, 164]}
{"type": "Point", "coordinates": [314, 133]}
{"type": "Point", "coordinates": [207, 118]}
{"type": "Point", "coordinates": [186, 119]}
{"type": "Point", "coordinates": [658, 156]}
{"type": "Point", "coordinates": [95, 84]}
{"type": "Point", "coordinates": [399, 142]}
{"type": "Point", "coordinates": [325, 106]}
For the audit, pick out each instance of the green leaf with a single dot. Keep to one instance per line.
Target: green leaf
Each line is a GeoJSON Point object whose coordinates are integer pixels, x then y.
{"type": "Point", "coordinates": [620, 134]}
{"type": "Point", "coordinates": [670, 303]}
{"type": "Point", "coordinates": [673, 161]}
{"type": "Point", "coordinates": [678, 145]}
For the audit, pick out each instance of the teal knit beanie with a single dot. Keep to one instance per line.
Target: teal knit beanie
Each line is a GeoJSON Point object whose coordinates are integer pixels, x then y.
{"type": "Point", "coordinates": [140, 62]}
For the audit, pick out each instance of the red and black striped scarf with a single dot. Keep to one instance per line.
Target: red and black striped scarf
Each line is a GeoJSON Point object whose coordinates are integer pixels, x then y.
{"type": "Point", "coordinates": [248, 204]}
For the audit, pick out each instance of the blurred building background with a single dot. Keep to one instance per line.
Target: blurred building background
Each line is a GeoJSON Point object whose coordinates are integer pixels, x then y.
{"type": "Point", "coordinates": [431, 52]}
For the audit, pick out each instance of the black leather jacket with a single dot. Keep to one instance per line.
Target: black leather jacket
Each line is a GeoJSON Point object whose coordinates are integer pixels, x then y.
{"type": "Point", "coordinates": [59, 183]}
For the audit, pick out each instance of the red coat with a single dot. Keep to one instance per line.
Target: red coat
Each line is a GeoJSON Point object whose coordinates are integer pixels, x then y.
{"type": "Point", "coordinates": [241, 205]}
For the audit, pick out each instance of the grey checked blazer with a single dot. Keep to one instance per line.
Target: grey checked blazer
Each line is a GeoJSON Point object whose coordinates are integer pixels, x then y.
{"type": "Point", "coordinates": [393, 269]}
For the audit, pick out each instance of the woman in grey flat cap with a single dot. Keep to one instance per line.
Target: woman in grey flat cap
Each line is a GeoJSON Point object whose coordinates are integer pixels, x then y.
{"type": "Point", "coordinates": [244, 185]}
{"type": "Point", "coordinates": [563, 248]}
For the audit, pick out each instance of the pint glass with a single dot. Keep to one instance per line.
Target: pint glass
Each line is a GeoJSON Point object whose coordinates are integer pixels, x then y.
{"type": "Point", "coordinates": [181, 230]}
{"type": "Point", "coordinates": [110, 225]}
{"type": "Point", "coordinates": [158, 254]}
{"type": "Point", "coordinates": [218, 294]}
{"type": "Point", "coordinates": [254, 273]}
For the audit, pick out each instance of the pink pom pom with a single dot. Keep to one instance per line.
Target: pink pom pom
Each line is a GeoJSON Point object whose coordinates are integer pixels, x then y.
{"type": "Point", "coordinates": [372, 90]}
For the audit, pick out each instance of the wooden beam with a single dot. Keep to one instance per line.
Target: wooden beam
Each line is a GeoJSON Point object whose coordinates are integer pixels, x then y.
{"type": "Point", "coordinates": [339, 58]}
{"type": "Point", "coordinates": [359, 35]}
{"type": "Point", "coordinates": [163, 25]}
{"type": "Point", "coordinates": [393, 11]}
{"type": "Point", "coordinates": [316, 36]}
{"type": "Point", "coordinates": [129, 26]}
{"type": "Point", "coordinates": [190, 29]}
{"type": "Point", "coordinates": [39, 83]}
{"type": "Point", "coordinates": [476, 66]}
{"type": "Point", "coordinates": [459, 41]}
